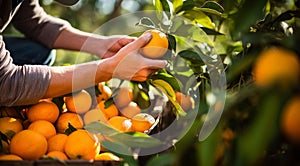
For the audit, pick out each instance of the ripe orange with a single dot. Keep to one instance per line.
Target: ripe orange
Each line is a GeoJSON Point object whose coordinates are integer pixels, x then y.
{"type": "Point", "coordinates": [43, 127]}
{"type": "Point", "coordinates": [120, 123]}
{"type": "Point", "coordinates": [105, 92]}
{"type": "Point", "coordinates": [157, 46]}
{"type": "Point", "coordinates": [110, 111]}
{"type": "Point", "coordinates": [130, 110]}
{"type": "Point", "coordinates": [10, 126]}
{"type": "Point", "coordinates": [43, 110]}
{"type": "Point", "coordinates": [79, 103]}
{"type": "Point", "coordinates": [29, 145]}
{"type": "Point", "coordinates": [68, 117]}
{"type": "Point", "coordinates": [81, 144]}
{"type": "Point", "coordinates": [186, 102]}
{"type": "Point", "coordinates": [107, 156]}
{"type": "Point", "coordinates": [10, 157]}
{"type": "Point", "coordinates": [57, 154]}
{"type": "Point", "coordinates": [290, 120]}
{"type": "Point", "coordinates": [94, 115]}
{"type": "Point", "coordinates": [276, 65]}
{"type": "Point", "coordinates": [57, 142]}
{"type": "Point", "coordinates": [123, 97]}
{"type": "Point", "coordinates": [142, 122]}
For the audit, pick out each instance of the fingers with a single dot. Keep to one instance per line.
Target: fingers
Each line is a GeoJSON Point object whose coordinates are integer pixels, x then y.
{"type": "Point", "coordinates": [138, 43]}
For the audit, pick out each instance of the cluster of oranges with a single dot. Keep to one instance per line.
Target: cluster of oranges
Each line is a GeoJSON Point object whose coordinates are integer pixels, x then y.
{"type": "Point", "coordinates": [41, 132]}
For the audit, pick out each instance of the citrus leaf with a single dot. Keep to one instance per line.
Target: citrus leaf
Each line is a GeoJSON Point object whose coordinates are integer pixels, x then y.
{"type": "Point", "coordinates": [191, 56]}
{"type": "Point", "coordinates": [172, 42]}
{"type": "Point", "coordinates": [101, 128]}
{"type": "Point", "coordinates": [168, 78]}
{"type": "Point", "coordinates": [197, 16]}
{"type": "Point", "coordinates": [135, 139]}
{"type": "Point", "coordinates": [213, 5]}
{"type": "Point", "coordinates": [70, 129]}
{"type": "Point", "coordinates": [177, 4]}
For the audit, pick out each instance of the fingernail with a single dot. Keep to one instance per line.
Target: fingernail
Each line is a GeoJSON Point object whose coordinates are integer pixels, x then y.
{"type": "Point", "coordinates": [148, 35]}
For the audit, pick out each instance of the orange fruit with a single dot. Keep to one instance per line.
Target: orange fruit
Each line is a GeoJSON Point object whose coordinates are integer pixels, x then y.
{"type": "Point", "coordinates": [120, 123]}
{"type": "Point", "coordinates": [124, 97]}
{"type": "Point", "coordinates": [57, 142]}
{"type": "Point", "coordinates": [290, 120]}
{"type": "Point", "coordinates": [43, 127]}
{"type": "Point", "coordinates": [43, 110]}
{"type": "Point", "coordinates": [105, 92]}
{"type": "Point", "coordinates": [29, 145]}
{"type": "Point", "coordinates": [107, 156]}
{"type": "Point", "coordinates": [79, 103]}
{"type": "Point", "coordinates": [68, 117]}
{"type": "Point", "coordinates": [157, 46]}
{"type": "Point", "coordinates": [57, 154]}
{"type": "Point", "coordinates": [186, 101]}
{"type": "Point", "coordinates": [130, 110]}
{"type": "Point", "coordinates": [110, 111]}
{"type": "Point", "coordinates": [10, 126]}
{"type": "Point", "coordinates": [276, 65]}
{"type": "Point", "coordinates": [10, 157]}
{"type": "Point", "coordinates": [81, 144]}
{"type": "Point", "coordinates": [94, 115]}
{"type": "Point", "coordinates": [142, 122]}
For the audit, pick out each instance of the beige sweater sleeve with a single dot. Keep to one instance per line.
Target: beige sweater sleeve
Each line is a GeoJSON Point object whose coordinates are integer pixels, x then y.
{"type": "Point", "coordinates": [21, 85]}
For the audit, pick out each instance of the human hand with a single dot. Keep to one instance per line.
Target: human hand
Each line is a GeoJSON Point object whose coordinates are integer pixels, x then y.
{"type": "Point", "coordinates": [129, 64]}
{"type": "Point", "coordinates": [114, 44]}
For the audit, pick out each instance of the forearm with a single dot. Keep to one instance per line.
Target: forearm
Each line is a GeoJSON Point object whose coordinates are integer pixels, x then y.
{"type": "Point", "coordinates": [74, 39]}
{"type": "Point", "coordinates": [67, 79]}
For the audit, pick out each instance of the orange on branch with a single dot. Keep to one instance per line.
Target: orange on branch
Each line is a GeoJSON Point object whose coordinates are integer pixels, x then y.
{"type": "Point", "coordinates": [157, 46]}
{"type": "Point", "coordinates": [276, 65]}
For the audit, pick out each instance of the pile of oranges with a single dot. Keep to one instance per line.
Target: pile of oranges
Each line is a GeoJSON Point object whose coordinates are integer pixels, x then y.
{"type": "Point", "coordinates": [39, 131]}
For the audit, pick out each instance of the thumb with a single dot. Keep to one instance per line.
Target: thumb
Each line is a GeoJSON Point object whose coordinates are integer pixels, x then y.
{"type": "Point", "coordinates": [139, 42]}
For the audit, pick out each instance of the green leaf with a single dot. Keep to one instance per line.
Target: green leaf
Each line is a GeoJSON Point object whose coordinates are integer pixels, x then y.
{"type": "Point", "coordinates": [161, 160]}
{"type": "Point", "coordinates": [101, 128]}
{"type": "Point", "coordinates": [172, 42]}
{"type": "Point", "coordinates": [247, 15]}
{"type": "Point", "coordinates": [210, 31]}
{"type": "Point", "coordinates": [70, 129]}
{"type": "Point", "coordinates": [197, 16]}
{"type": "Point", "coordinates": [135, 139]}
{"type": "Point", "coordinates": [213, 5]}
{"type": "Point", "coordinates": [146, 22]}
{"type": "Point", "coordinates": [191, 56]}
{"type": "Point", "coordinates": [177, 4]}
{"type": "Point", "coordinates": [142, 99]}
{"type": "Point", "coordinates": [168, 78]}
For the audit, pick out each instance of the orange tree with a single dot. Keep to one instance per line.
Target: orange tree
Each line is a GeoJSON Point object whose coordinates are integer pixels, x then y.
{"type": "Point", "coordinates": [210, 38]}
